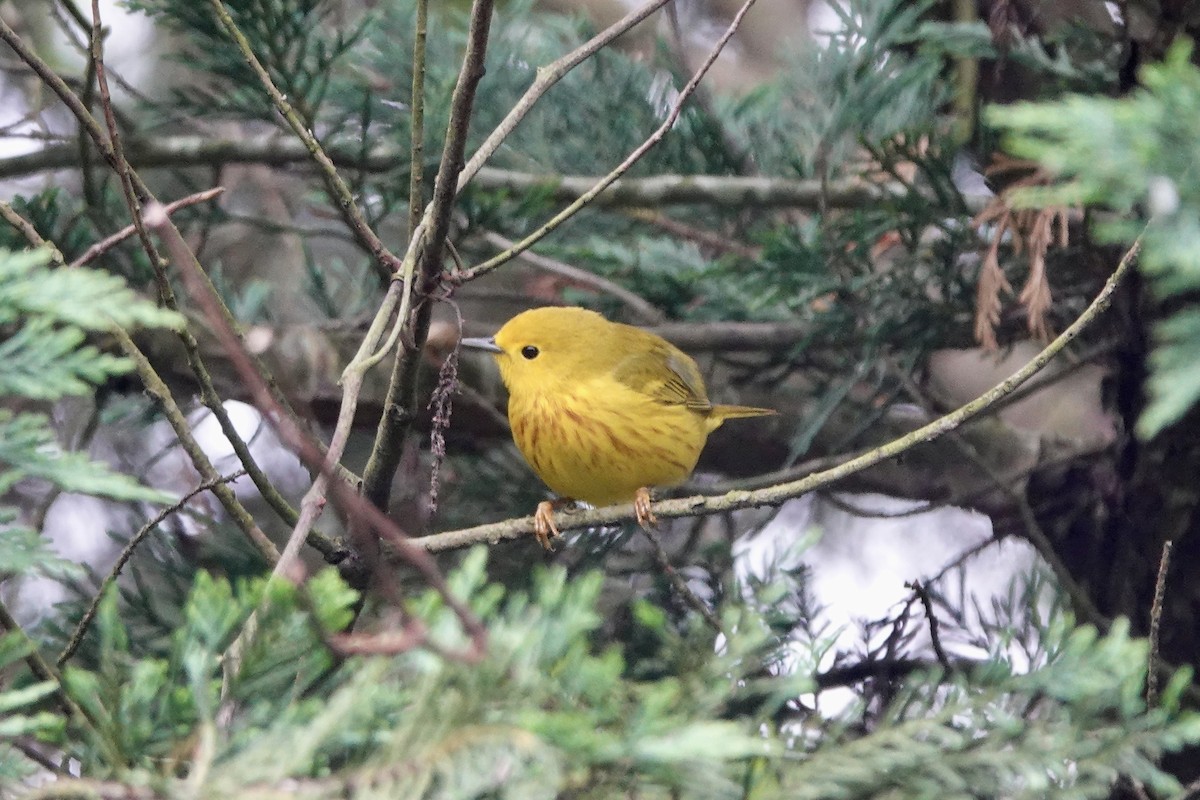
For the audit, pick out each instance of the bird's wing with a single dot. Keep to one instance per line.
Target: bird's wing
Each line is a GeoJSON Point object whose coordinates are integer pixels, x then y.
{"type": "Point", "coordinates": [664, 374]}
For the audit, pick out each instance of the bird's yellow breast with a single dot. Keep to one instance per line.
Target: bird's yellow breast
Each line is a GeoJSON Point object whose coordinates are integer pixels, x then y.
{"type": "Point", "coordinates": [601, 443]}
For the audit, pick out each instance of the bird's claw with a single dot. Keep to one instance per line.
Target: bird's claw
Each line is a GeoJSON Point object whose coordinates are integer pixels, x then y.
{"type": "Point", "coordinates": [543, 525]}
{"type": "Point", "coordinates": [641, 507]}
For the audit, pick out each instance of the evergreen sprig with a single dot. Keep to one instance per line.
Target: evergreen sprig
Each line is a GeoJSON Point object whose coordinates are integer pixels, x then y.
{"type": "Point", "coordinates": [1137, 155]}
{"type": "Point", "coordinates": [48, 314]}
{"type": "Point", "coordinates": [551, 710]}
{"type": "Point", "coordinates": [292, 38]}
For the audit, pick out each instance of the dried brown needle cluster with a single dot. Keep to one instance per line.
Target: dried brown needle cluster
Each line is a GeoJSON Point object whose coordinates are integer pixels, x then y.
{"type": "Point", "coordinates": [1030, 231]}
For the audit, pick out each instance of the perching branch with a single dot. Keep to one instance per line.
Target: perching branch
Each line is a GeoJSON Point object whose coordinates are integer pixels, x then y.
{"type": "Point", "coordinates": [777, 494]}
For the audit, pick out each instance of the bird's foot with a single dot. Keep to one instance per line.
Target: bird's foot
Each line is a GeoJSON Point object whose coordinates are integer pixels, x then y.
{"type": "Point", "coordinates": [543, 524]}
{"type": "Point", "coordinates": [641, 507]}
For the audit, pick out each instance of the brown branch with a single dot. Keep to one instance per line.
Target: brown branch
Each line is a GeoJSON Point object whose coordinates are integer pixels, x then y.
{"type": "Point", "coordinates": [709, 190]}
{"type": "Point", "coordinates": [104, 245]}
{"type": "Point", "coordinates": [776, 494]}
{"type": "Point", "coordinates": [401, 402]}
{"type": "Point", "coordinates": [1156, 610]}
{"type": "Point", "coordinates": [722, 191]}
{"type": "Point", "coordinates": [677, 582]}
{"type": "Point", "coordinates": [367, 517]}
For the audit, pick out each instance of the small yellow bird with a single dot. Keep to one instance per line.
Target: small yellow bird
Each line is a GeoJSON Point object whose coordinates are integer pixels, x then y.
{"type": "Point", "coordinates": [601, 411]}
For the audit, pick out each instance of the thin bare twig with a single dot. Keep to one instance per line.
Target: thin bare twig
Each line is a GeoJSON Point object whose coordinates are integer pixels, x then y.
{"type": "Point", "coordinates": [135, 193]}
{"type": "Point", "coordinates": [677, 581]}
{"type": "Point", "coordinates": [935, 637]}
{"type": "Point", "coordinates": [104, 245]}
{"type": "Point", "coordinates": [1156, 610]}
{"type": "Point", "coordinates": [126, 553]}
{"type": "Point", "coordinates": [422, 267]}
{"type": "Point", "coordinates": [646, 313]}
{"type": "Point", "coordinates": [360, 511]}
{"type": "Point", "coordinates": [386, 263]}
{"type": "Point", "coordinates": [416, 158]}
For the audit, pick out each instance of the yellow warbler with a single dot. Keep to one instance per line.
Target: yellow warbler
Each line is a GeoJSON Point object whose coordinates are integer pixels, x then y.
{"type": "Point", "coordinates": [601, 411]}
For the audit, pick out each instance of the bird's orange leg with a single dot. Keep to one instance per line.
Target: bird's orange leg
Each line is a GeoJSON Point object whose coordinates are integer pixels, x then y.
{"type": "Point", "coordinates": [543, 521]}
{"type": "Point", "coordinates": [641, 507]}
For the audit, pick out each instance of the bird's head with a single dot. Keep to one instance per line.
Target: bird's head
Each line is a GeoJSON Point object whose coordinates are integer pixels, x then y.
{"type": "Point", "coordinates": [546, 347]}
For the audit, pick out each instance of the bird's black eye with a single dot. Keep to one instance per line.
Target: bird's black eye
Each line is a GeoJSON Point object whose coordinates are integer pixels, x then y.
{"type": "Point", "coordinates": [529, 351]}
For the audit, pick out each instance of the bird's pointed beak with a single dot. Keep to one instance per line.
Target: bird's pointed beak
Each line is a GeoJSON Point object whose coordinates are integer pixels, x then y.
{"type": "Point", "coordinates": [488, 344]}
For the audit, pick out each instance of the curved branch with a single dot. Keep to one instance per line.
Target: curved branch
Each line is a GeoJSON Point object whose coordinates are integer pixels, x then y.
{"type": "Point", "coordinates": [645, 311]}
{"type": "Point", "coordinates": [85, 621]}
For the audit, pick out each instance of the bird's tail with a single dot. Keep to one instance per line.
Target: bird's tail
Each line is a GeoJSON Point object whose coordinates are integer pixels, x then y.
{"type": "Point", "coordinates": [720, 413]}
